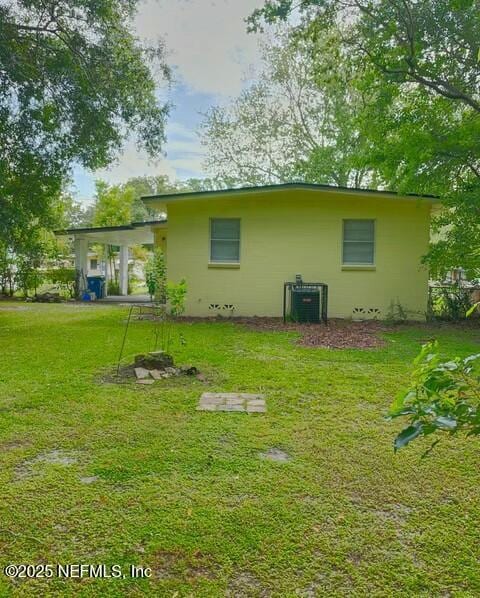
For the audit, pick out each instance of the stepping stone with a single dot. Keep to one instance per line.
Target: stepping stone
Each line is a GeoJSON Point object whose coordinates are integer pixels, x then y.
{"type": "Point", "coordinates": [226, 407]}
{"type": "Point", "coordinates": [146, 381]}
{"type": "Point", "coordinates": [232, 402]}
{"type": "Point", "coordinates": [256, 406]}
{"type": "Point", "coordinates": [142, 373]}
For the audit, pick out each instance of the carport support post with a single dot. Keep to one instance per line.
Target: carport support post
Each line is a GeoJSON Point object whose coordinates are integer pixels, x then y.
{"type": "Point", "coordinates": [81, 263]}
{"type": "Point", "coordinates": [107, 274]}
{"type": "Point", "coordinates": [123, 270]}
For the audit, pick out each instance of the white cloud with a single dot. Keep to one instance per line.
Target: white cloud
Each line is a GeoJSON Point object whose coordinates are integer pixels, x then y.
{"type": "Point", "coordinates": [206, 40]}
{"type": "Point", "coordinates": [184, 153]}
{"type": "Point", "coordinates": [210, 51]}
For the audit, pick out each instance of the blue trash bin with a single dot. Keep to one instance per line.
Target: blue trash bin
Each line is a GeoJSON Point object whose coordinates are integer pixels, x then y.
{"type": "Point", "coordinates": [96, 284]}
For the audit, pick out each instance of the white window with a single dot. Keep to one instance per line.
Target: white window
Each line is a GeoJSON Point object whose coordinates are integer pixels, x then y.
{"type": "Point", "coordinates": [225, 240]}
{"type": "Point", "coordinates": [93, 264]}
{"type": "Point", "coordinates": [359, 242]}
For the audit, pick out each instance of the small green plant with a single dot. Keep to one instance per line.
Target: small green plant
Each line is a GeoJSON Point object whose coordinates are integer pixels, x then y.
{"type": "Point", "coordinates": [396, 313]}
{"type": "Point", "coordinates": [176, 295]}
{"type": "Point", "coordinates": [63, 279]}
{"type": "Point", "coordinates": [28, 276]}
{"type": "Point", "coordinates": [475, 307]}
{"type": "Point", "coordinates": [113, 287]}
{"type": "Point", "coordinates": [166, 312]}
{"type": "Point", "coordinates": [156, 276]}
{"type": "Point", "coordinates": [444, 397]}
{"type": "Point", "coordinates": [449, 303]}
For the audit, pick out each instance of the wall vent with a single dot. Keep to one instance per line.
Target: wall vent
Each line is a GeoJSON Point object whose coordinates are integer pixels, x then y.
{"type": "Point", "coordinates": [222, 307]}
{"type": "Point", "coordinates": [371, 312]}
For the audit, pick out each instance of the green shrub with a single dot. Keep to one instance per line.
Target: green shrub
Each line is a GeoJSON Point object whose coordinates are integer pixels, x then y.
{"type": "Point", "coordinates": [113, 288]}
{"type": "Point", "coordinates": [156, 276]}
{"type": "Point", "coordinates": [444, 397]}
{"type": "Point", "coordinates": [449, 303]}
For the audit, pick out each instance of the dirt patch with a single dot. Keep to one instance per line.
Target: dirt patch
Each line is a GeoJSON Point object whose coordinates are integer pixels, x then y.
{"type": "Point", "coordinates": [125, 375]}
{"type": "Point", "coordinates": [275, 454]}
{"type": "Point", "coordinates": [245, 584]}
{"type": "Point", "coordinates": [11, 445]}
{"type": "Point", "coordinates": [89, 479]}
{"type": "Point", "coordinates": [168, 564]}
{"type": "Point", "coordinates": [31, 467]}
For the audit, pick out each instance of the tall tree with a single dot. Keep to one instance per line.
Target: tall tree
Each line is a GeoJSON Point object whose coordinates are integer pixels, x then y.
{"type": "Point", "coordinates": [147, 185]}
{"type": "Point", "coordinates": [293, 123]}
{"type": "Point", "coordinates": [419, 62]}
{"type": "Point", "coordinates": [74, 81]}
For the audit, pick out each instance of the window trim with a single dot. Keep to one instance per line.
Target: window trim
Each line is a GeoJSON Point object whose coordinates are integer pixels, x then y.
{"type": "Point", "coordinates": [359, 265]}
{"type": "Point", "coordinates": [217, 263]}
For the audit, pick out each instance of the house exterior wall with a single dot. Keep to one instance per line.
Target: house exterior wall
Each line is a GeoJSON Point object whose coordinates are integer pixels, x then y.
{"type": "Point", "coordinates": [160, 238]}
{"type": "Point", "coordinates": [293, 232]}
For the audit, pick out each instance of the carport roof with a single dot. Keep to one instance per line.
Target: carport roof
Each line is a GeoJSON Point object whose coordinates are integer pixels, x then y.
{"type": "Point", "coordinates": [137, 233]}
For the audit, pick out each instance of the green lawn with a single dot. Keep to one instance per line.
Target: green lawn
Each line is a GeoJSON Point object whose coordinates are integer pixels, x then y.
{"type": "Point", "coordinates": [187, 494]}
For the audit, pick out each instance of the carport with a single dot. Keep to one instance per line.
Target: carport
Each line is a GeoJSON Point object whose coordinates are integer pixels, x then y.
{"type": "Point", "coordinates": [125, 236]}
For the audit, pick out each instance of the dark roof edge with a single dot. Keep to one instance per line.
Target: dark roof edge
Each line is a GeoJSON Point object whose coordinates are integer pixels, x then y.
{"type": "Point", "coordinates": [311, 186]}
{"type": "Point", "coordinates": [95, 229]}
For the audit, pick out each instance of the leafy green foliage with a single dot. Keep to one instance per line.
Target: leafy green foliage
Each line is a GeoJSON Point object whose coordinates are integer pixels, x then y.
{"type": "Point", "coordinates": [21, 271]}
{"type": "Point", "coordinates": [113, 205]}
{"type": "Point", "coordinates": [176, 295]}
{"type": "Point", "coordinates": [396, 312]}
{"type": "Point", "coordinates": [444, 397]}
{"type": "Point", "coordinates": [63, 278]}
{"type": "Point", "coordinates": [297, 122]}
{"type": "Point", "coordinates": [156, 276]}
{"type": "Point", "coordinates": [450, 302]}
{"type": "Point", "coordinates": [74, 82]}
{"type": "Point", "coordinates": [417, 70]}
{"type": "Point", "coordinates": [475, 307]}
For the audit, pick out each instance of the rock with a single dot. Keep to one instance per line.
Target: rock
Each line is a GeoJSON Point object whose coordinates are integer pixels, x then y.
{"type": "Point", "coordinates": [156, 374]}
{"type": "Point", "coordinates": [156, 360]}
{"type": "Point", "coordinates": [189, 370]}
{"type": "Point", "coordinates": [142, 373]}
{"type": "Point", "coordinates": [171, 371]}
{"type": "Point", "coordinates": [201, 377]}
{"type": "Point", "coordinates": [145, 381]}
{"type": "Point", "coordinates": [47, 297]}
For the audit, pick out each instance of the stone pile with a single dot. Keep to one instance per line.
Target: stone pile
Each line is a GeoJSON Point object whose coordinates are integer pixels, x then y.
{"type": "Point", "coordinates": [158, 365]}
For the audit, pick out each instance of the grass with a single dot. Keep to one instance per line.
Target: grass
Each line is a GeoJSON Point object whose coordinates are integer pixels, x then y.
{"type": "Point", "coordinates": [186, 493]}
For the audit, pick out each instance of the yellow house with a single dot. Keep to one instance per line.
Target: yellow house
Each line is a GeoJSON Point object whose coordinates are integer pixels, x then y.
{"type": "Point", "coordinates": [237, 248]}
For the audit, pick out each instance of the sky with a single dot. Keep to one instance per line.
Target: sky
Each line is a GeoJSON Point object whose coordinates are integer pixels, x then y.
{"type": "Point", "coordinates": [212, 57]}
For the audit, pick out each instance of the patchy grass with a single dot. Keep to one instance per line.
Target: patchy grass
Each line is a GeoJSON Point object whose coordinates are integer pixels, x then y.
{"type": "Point", "coordinates": [94, 472]}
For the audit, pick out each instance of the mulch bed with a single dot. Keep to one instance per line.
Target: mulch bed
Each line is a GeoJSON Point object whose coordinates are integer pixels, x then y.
{"type": "Point", "coordinates": [337, 334]}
